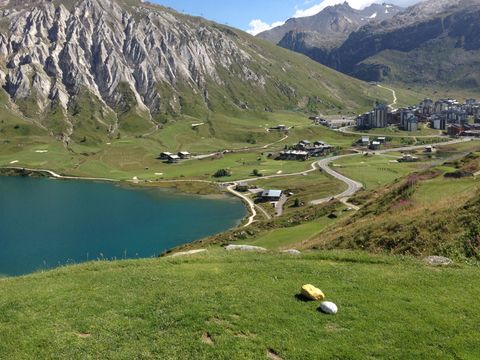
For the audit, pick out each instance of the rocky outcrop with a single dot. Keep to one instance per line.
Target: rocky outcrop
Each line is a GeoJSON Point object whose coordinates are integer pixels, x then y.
{"type": "Point", "coordinates": [51, 52]}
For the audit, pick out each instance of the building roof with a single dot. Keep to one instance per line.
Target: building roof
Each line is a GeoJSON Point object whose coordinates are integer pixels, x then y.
{"type": "Point", "coordinates": [272, 193]}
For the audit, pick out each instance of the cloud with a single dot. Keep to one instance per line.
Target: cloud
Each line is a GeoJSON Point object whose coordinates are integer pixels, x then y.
{"type": "Point", "coordinates": [356, 4]}
{"type": "Point", "coordinates": [257, 26]}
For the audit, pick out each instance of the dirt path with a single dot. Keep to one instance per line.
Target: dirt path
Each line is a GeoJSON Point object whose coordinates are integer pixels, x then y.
{"type": "Point", "coordinates": [394, 93]}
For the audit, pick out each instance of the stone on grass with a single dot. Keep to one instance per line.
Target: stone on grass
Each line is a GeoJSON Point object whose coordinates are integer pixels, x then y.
{"type": "Point", "coordinates": [328, 307]}
{"type": "Point", "coordinates": [244, 248]}
{"type": "Point", "coordinates": [310, 292]}
{"type": "Point", "coordinates": [191, 252]}
{"type": "Point", "coordinates": [291, 252]}
{"type": "Point", "coordinates": [438, 260]}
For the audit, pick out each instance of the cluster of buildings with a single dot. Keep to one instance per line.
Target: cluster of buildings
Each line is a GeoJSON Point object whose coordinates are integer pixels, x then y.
{"type": "Point", "coordinates": [332, 124]}
{"type": "Point", "coordinates": [304, 150]}
{"type": "Point", "coordinates": [445, 114]}
{"type": "Point", "coordinates": [174, 158]}
{"type": "Point", "coordinates": [373, 144]}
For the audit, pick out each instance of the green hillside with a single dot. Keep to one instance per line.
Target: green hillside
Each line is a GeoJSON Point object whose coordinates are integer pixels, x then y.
{"type": "Point", "coordinates": [434, 211]}
{"type": "Point", "coordinates": [223, 305]}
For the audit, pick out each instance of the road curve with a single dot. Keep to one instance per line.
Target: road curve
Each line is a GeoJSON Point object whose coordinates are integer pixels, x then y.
{"type": "Point", "coordinates": [352, 185]}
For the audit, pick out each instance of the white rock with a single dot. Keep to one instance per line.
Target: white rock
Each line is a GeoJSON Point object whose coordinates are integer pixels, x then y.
{"type": "Point", "coordinates": [437, 260]}
{"type": "Point", "coordinates": [328, 307]}
{"type": "Point", "coordinates": [191, 252]}
{"type": "Point", "coordinates": [244, 248]}
{"type": "Point", "coordinates": [291, 252]}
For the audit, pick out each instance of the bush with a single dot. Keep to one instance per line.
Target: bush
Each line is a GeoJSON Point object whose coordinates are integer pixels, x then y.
{"type": "Point", "coordinates": [222, 173]}
{"type": "Point", "coordinates": [255, 172]}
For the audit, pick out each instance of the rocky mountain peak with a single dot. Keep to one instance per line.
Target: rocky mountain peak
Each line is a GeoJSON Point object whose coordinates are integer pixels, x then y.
{"type": "Point", "coordinates": [52, 50]}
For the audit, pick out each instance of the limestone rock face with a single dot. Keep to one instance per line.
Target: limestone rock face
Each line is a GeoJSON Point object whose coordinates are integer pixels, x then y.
{"type": "Point", "coordinates": [51, 52]}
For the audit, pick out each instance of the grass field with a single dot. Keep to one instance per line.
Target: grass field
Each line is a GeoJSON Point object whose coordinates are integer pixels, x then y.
{"type": "Point", "coordinates": [128, 156]}
{"type": "Point", "coordinates": [243, 306]}
{"type": "Point", "coordinates": [376, 170]}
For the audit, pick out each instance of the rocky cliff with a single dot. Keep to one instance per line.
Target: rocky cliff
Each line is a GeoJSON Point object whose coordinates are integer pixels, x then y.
{"type": "Point", "coordinates": [315, 36]}
{"type": "Point", "coordinates": [129, 63]}
{"type": "Point", "coordinates": [433, 43]}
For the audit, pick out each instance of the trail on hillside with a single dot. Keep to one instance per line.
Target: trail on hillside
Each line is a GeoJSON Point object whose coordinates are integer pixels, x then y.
{"type": "Point", "coordinates": [394, 93]}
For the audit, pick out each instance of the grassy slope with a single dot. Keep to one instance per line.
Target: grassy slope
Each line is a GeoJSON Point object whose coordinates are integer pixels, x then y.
{"type": "Point", "coordinates": [132, 156]}
{"type": "Point", "coordinates": [149, 309]}
{"type": "Point", "coordinates": [427, 214]}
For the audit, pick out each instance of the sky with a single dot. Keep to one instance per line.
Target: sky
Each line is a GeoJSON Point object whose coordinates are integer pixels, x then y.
{"type": "Point", "coordinates": [256, 16]}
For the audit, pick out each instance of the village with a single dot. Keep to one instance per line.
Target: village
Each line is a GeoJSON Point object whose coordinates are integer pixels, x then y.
{"type": "Point", "coordinates": [447, 115]}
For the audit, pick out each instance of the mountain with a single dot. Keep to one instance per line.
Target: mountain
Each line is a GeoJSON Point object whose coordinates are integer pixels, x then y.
{"type": "Point", "coordinates": [315, 36]}
{"type": "Point", "coordinates": [431, 44]}
{"type": "Point", "coordinates": [128, 65]}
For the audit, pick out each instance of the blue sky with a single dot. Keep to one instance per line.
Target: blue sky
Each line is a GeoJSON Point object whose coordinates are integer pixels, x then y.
{"type": "Point", "coordinates": [257, 15]}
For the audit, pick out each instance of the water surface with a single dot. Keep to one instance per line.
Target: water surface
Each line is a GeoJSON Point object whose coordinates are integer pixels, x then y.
{"type": "Point", "coordinates": [45, 223]}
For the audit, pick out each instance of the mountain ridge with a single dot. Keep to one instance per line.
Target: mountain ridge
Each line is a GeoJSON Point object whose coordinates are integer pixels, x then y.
{"type": "Point", "coordinates": [131, 64]}
{"type": "Point", "coordinates": [430, 44]}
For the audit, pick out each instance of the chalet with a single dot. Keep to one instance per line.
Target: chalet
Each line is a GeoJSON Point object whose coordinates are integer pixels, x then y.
{"type": "Point", "coordinates": [165, 155]}
{"type": "Point", "coordinates": [430, 149]}
{"type": "Point", "coordinates": [375, 145]}
{"type": "Point", "coordinates": [408, 158]}
{"type": "Point", "coordinates": [242, 187]}
{"type": "Point", "coordinates": [294, 155]}
{"type": "Point", "coordinates": [382, 140]}
{"type": "Point", "coordinates": [278, 128]}
{"type": "Point", "coordinates": [184, 155]}
{"type": "Point", "coordinates": [455, 130]}
{"type": "Point", "coordinates": [365, 140]}
{"type": "Point", "coordinates": [173, 159]}
{"type": "Point", "coordinates": [271, 195]}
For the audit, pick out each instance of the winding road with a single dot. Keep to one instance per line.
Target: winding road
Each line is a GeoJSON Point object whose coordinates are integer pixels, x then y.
{"type": "Point", "coordinates": [324, 164]}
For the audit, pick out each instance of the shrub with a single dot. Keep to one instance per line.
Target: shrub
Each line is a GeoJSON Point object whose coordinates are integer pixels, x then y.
{"type": "Point", "coordinates": [222, 173]}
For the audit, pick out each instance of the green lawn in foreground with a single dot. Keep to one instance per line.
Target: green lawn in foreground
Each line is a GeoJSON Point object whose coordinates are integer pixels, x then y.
{"type": "Point", "coordinates": [389, 308]}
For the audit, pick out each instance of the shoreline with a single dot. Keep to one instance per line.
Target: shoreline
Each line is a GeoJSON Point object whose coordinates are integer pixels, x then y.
{"type": "Point", "coordinates": [222, 193]}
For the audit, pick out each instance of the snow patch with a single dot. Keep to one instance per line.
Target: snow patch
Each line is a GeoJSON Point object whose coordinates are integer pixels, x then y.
{"type": "Point", "coordinates": [373, 16]}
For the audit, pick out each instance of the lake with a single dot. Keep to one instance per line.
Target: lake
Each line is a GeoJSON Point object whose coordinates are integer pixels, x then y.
{"type": "Point", "coordinates": [46, 223]}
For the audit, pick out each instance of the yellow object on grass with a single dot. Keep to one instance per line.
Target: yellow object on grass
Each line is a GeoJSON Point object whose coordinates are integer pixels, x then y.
{"type": "Point", "coordinates": [312, 293]}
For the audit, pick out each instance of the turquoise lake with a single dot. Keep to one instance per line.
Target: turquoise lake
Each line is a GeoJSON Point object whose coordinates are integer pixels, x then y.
{"type": "Point", "coordinates": [47, 223]}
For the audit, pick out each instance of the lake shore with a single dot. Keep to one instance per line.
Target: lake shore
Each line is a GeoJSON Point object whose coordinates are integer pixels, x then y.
{"type": "Point", "coordinates": [144, 223]}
